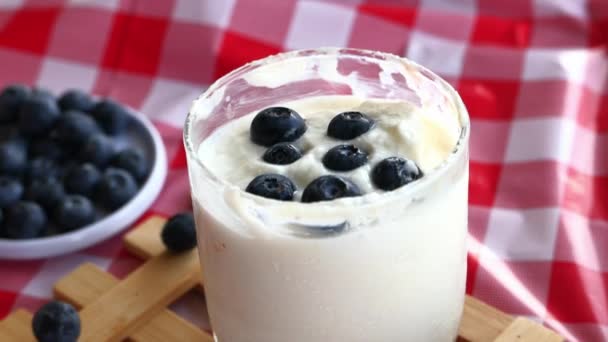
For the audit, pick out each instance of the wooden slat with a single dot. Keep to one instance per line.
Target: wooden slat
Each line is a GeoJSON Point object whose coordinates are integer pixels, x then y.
{"type": "Point", "coordinates": [136, 299]}
{"type": "Point", "coordinates": [144, 241]}
{"type": "Point", "coordinates": [481, 322]}
{"type": "Point", "coordinates": [83, 285]}
{"type": "Point", "coordinates": [17, 327]}
{"type": "Point", "coordinates": [523, 329]}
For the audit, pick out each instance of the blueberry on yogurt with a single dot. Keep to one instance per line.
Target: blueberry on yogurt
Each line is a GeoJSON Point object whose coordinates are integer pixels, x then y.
{"type": "Point", "coordinates": [344, 158]}
{"type": "Point", "coordinates": [276, 124]}
{"type": "Point", "coordinates": [329, 187]}
{"type": "Point", "coordinates": [272, 186]}
{"type": "Point", "coordinates": [349, 125]}
{"type": "Point", "coordinates": [282, 154]}
{"type": "Point", "coordinates": [394, 172]}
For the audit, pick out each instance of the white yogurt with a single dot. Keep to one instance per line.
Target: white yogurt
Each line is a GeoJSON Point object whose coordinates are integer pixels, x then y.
{"type": "Point", "coordinates": [397, 273]}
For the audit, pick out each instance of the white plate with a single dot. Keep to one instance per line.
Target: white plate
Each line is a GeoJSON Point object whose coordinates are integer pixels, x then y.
{"type": "Point", "coordinates": [140, 133]}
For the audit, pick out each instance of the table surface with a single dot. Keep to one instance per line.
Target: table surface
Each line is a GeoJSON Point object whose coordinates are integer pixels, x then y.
{"type": "Point", "coordinates": [533, 74]}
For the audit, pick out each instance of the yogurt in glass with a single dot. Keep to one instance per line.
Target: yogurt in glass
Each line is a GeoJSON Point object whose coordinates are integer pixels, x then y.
{"type": "Point", "coordinates": [387, 265]}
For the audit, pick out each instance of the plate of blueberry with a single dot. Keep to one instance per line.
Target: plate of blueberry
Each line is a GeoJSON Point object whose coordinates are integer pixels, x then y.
{"type": "Point", "coordinates": [74, 170]}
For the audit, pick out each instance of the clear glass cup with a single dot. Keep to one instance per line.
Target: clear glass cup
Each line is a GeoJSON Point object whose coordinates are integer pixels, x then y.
{"type": "Point", "coordinates": [287, 271]}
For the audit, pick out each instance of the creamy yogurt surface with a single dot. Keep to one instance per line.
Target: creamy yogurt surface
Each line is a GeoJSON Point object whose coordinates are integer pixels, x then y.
{"type": "Point", "coordinates": [400, 129]}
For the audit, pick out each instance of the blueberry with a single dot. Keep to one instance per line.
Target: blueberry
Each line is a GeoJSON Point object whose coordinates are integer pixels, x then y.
{"type": "Point", "coordinates": [75, 127]}
{"type": "Point", "coordinates": [13, 157]}
{"type": "Point", "coordinates": [75, 99]}
{"type": "Point", "coordinates": [56, 322]}
{"type": "Point", "coordinates": [179, 233]}
{"type": "Point", "coordinates": [48, 192]}
{"type": "Point", "coordinates": [134, 161]}
{"type": "Point", "coordinates": [74, 212]}
{"type": "Point", "coordinates": [98, 149]}
{"type": "Point", "coordinates": [349, 125]}
{"type": "Point", "coordinates": [46, 147]}
{"type": "Point", "coordinates": [11, 99]}
{"type": "Point", "coordinates": [111, 116]}
{"type": "Point", "coordinates": [116, 188]}
{"type": "Point", "coordinates": [42, 168]}
{"type": "Point", "coordinates": [394, 172]}
{"type": "Point", "coordinates": [329, 187]}
{"type": "Point", "coordinates": [43, 93]}
{"type": "Point", "coordinates": [10, 191]}
{"type": "Point", "coordinates": [276, 124]}
{"type": "Point", "coordinates": [282, 154]}
{"type": "Point", "coordinates": [9, 132]}
{"type": "Point", "coordinates": [344, 158]}
{"type": "Point", "coordinates": [82, 179]}
{"type": "Point", "coordinates": [24, 220]}
{"type": "Point", "coordinates": [273, 186]}
{"type": "Point", "coordinates": [37, 115]}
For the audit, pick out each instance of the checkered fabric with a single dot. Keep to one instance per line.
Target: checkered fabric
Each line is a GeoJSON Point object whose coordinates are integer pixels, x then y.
{"type": "Point", "coordinates": [533, 73]}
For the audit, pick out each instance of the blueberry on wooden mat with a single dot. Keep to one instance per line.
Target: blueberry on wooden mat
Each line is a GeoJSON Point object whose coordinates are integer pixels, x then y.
{"type": "Point", "coordinates": [276, 124]}
{"type": "Point", "coordinates": [344, 158]}
{"type": "Point", "coordinates": [56, 321]}
{"type": "Point", "coordinates": [394, 172]}
{"type": "Point", "coordinates": [282, 154]}
{"type": "Point", "coordinates": [179, 233]}
{"type": "Point", "coordinates": [272, 186]}
{"type": "Point", "coordinates": [329, 187]}
{"type": "Point", "coordinates": [349, 125]}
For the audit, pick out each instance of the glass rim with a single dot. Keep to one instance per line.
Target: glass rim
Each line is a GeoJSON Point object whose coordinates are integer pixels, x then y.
{"type": "Point", "coordinates": [430, 178]}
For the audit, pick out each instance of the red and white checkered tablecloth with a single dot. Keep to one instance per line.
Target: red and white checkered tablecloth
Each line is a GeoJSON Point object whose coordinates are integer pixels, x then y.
{"type": "Point", "coordinates": [534, 75]}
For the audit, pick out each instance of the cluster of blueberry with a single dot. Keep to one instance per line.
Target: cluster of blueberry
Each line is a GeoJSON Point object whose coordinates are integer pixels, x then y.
{"type": "Point", "coordinates": [277, 127]}
{"type": "Point", "coordinates": [58, 158]}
